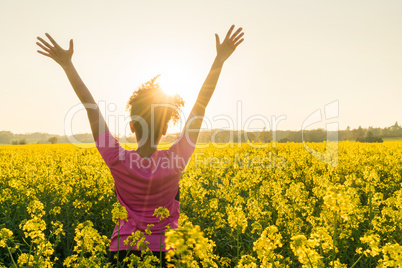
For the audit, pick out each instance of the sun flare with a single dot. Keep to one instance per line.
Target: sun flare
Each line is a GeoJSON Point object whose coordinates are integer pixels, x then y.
{"type": "Point", "coordinates": [170, 85]}
{"type": "Point", "coordinates": [178, 80]}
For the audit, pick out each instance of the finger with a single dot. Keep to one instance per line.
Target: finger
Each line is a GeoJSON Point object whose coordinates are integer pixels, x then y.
{"type": "Point", "coordinates": [237, 32]}
{"type": "Point", "coordinates": [217, 40]}
{"type": "Point", "coordinates": [52, 40]}
{"type": "Point", "coordinates": [229, 32]}
{"type": "Point", "coordinates": [43, 47]}
{"type": "Point", "coordinates": [71, 47]}
{"type": "Point", "coordinates": [43, 53]}
{"type": "Point", "coordinates": [238, 37]}
{"type": "Point", "coordinates": [45, 43]}
{"type": "Point", "coordinates": [238, 43]}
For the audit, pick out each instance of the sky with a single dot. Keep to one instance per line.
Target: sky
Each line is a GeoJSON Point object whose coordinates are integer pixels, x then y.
{"type": "Point", "coordinates": [340, 57]}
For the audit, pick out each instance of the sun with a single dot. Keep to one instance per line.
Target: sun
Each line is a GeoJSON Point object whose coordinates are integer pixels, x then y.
{"type": "Point", "coordinates": [170, 83]}
{"type": "Point", "coordinates": [179, 80]}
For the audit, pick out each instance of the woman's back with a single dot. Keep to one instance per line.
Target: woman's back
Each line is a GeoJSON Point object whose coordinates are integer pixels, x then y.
{"type": "Point", "coordinates": [145, 184]}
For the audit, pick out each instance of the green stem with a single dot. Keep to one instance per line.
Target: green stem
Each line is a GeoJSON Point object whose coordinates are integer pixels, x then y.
{"type": "Point", "coordinates": [334, 240]}
{"type": "Point", "coordinates": [29, 254]}
{"type": "Point", "coordinates": [293, 225]}
{"type": "Point", "coordinates": [371, 210]}
{"type": "Point", "coordinates": [160, 247]}
{"type": "Point", "coordinates": [82, 251]}
{"type": "Point", "coordinates": [356, 261]}
{"type": "Point", "coordinates": [271, 260]}
{"type": "Point", "coordinates": [118, 244]}
{"type": "Point", "coordinates": [237, 248]}
{"type": "Point", "coordinates": [309, 261]}
{"type": "Point", "coordinates": [130, 248]}
{"type": "Point", "coordinates": [11, 256]}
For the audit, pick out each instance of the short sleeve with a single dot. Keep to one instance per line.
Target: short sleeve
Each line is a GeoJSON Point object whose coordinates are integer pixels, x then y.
{"type": "Point", "coordinates": [109, 148]}
{"type": "Point", "coordinates": [182, 149]}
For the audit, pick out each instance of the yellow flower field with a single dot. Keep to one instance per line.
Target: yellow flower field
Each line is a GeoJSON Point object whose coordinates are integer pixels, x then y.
{"type": "Point", "coordinates": [240, 207]}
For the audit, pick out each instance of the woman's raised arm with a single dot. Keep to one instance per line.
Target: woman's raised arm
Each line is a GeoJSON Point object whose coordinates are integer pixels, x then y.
{"type": "Point", "coordinates": [223, 52]}
{"type": "Point", "coordinates": [64, 59]}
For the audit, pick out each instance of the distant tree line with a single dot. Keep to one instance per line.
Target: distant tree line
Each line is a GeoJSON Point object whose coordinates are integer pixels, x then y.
{"type": "Point", "coordinates": [318, 135]}
{"type": "Point", "coordinates": [19, 142]}
{"type": "Point", "coordinates": [7, 137]}
{"type": "Point", "coordinates": [223, 136]}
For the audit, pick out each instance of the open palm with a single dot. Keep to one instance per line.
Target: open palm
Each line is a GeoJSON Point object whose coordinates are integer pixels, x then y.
{"type": "Point", "coordinates": [229, 44]}
{"type": "Point", "coordinates": [57, 53]}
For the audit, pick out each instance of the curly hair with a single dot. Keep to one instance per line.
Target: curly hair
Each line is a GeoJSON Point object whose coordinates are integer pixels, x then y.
{"type": "Point", "coordinates": [148, 94]}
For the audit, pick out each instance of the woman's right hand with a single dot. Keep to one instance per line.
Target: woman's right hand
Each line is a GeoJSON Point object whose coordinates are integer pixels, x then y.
{"type": "Point", "coordinates": [58, 54]}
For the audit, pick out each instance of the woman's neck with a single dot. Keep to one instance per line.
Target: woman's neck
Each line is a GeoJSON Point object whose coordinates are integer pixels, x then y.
{"type": "Point", "coordinates": [146, 151]}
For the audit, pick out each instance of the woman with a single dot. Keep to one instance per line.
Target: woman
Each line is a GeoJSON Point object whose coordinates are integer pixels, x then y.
{"type": "Point", "coordinates": [146, 178]}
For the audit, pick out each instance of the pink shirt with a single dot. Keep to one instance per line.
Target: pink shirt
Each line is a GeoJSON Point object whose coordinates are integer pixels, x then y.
{"type": "Point", "coordinates": [144, 184]}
